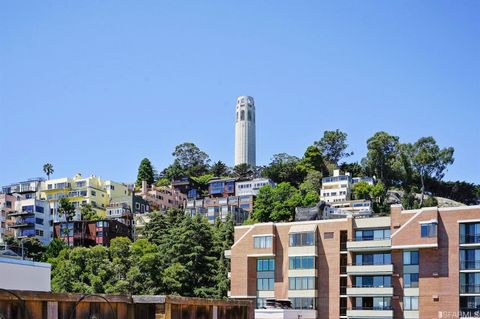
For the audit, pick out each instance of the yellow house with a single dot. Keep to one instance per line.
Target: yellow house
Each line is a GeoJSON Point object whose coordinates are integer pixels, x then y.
{"type": "Point", "coordinates": [83, 190]}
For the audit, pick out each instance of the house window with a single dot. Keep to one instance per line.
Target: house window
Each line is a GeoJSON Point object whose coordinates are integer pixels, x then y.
{"type": "Point", "coordinates": [266, 264]}
{"type": "Point", "coordinates": [265, 284]}
{"type": "Point", "coordinates": [301, 283]}
{"type": "Point", "coordinates": [410, 303]}
{"type": "Point", "coordinates": [302, 239]}
{"type": "Point", "coordinates": [410, 257]}
{"type": "Point", "coordinates": [262, 242]}
{"type": "Point", "coordinates": [428, 230]}
{"type": "Point", "coordinates": [302, 262]}
{"type": "Point", "coordinates": [303, 303]}
{"type": "Point", "coordinates": [410, 280]}
{"type": "Point", "coordinates": [93, 193]}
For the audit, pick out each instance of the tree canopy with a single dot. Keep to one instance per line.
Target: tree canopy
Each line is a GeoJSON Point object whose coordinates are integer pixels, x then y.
{"type": "Point", "coordinates": [145, 173]}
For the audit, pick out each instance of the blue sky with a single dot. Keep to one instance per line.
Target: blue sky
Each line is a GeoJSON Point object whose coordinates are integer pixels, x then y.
{"type": "Point", "coordinates": [95, 86]}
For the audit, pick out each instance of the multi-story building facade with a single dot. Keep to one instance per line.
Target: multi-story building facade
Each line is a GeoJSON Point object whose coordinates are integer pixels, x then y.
{"type": "Point", "coordinates": [7, 205]}
{"type": "Point", "coordinates": [28, 215]}
{"type": "Point", "coordinates": [239, 208]}
{"type": "Point", "coordinates": [338, 188]}
{"type": "Point", "coordinates": [31, 218]}
{"type": "Point", "coordinates": [413, 264]}
{"type": "Point", "coordinates": [221, 187]}
{"type": "Point", "coordinates": [90, 233]}
{"type": "Point", "coordinates": [29, 188]}
{"type": "Point", "coordinates": [251, 187]}
{"type": "Point", "coordinates": [82, 190]}
{"type": "Point", "coordinates": [187, 186]}
{"type": "Point", "coordinates": [162, 198]}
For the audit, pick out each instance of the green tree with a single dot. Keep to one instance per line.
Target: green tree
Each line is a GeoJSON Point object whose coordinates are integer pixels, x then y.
{"type": "Point", "coordinates": [174, 171]}
{"type": "Point", "coordinates": [243, 170]}
{"type": "Point", "coordinates": [48, 169]}
{"type": "Point", "coordinates": [428, 160]}
{"type": "Point", "coordinates": [382, 157]}
{"type": "Point", "coordinates": [333, 145]}
{"type": "Point", "coordinates": [278, 203]}
{"type": "Point", "coordinates": [145, 173]}
{"type": "Point", "coordinates": [354, 168]}
{"type": "Point", "coordinates": [163, 181]}
{"type": "Point", "coordinates": [87, 212]}
{"type": "Point", "coordinates": [313, 161]}
{"type": "Point", "coordinates": [220, 169]}
{"type": "Point", "coordinates": [284, 168]}
{"type": "Point", "coordinates": [53, 249]}
{"type": "Point", "coordinates": [312, 182]}
{"type": "Point", "coordinates": [67, 210]}
{"type": "Point", "coordinates": [361, 190]}
{"type": "Point", "coordinates": [191, 159]}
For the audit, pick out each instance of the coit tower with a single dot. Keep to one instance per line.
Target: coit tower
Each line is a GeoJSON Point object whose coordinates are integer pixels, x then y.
{"type": "Point", "coordinates": [245, 131]}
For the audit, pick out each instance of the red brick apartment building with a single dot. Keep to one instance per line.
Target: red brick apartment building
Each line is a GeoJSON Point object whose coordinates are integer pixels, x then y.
{"type": "Point", "coordinates": [413, 264]}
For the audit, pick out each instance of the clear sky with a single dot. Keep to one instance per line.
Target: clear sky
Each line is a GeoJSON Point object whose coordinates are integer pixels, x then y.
{"type": "Point", "coordinates": [95, 86]}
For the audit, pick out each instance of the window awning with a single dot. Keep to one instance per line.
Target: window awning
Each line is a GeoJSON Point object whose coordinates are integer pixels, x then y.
{"type": "Point", "coordinates": [307, 228]}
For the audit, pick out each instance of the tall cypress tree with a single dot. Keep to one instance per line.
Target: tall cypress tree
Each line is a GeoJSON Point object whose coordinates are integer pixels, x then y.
{"type": "Point", "coordinates": [145, 173]}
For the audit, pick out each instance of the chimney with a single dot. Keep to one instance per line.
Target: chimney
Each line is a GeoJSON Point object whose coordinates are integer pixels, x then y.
{"type": "Point", "coordinates": [336, 172]}
{"type": "Point", "coordinates": [144, 187]}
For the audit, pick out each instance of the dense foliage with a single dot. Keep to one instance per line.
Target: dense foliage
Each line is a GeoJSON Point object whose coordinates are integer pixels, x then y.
{"type": "Point", "coordinates": [179, 255]}
{"type": "Point", "coordinates": [145, 173]}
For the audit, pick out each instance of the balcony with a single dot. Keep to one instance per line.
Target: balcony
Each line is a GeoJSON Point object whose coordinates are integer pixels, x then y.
{"type": "Point", "coordinates": [370, 312]}
{"type": "Point", "coordinates": [369, 291]}
{"type": "Point", "coordinates": [22, 224]}
{"type": "Point", "coordinates": [369, 244]}
{"type": "Point", "coordinates": [473, 289]}
{"type": "Point", "coordinates": [470, 265]}
{"type": "Point", "coordinates": [23, 213]}
{"type": "Point", "coordinates": [370, 269]}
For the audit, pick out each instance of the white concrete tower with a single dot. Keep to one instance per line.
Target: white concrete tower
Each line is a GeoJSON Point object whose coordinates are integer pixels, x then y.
{"type": "Point", "coordinates": [245, 131]}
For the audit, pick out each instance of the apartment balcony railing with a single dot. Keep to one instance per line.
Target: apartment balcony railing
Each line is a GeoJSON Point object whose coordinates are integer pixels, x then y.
{"type": "Point", "coordinates": [370, 286]}
{"type": "Point", "coordinates": [367, 238]}
{"type": "Point", "coordinates": [371, 308]}
{"type": "Point", "coordinates": [367, 268]}
{"type": "Point", "coordinates": [370, 263]}
{"type": "Point", "coordinates": [469, 264]}
{"type": "Point", "coordinates": [369, 290]}
{"type": "Point", "coordinates": [22, 225]}
{"type": "Point", "coordinates": [470, 239]}
{"type": "Point", "coordinates": [369, 243]}
{"type": "Point", "coordinates": [470, 289]}
{"type": "Point", "coordinates": [23, 213]}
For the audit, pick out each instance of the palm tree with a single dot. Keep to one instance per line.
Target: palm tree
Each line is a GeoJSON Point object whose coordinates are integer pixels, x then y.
{"type": "Point", "coordinates": [66, 208]}
{"type": "Point", "coordinates": [48, 169]}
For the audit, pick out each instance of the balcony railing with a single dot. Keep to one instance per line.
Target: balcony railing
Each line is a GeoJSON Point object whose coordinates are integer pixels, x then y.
{"type": "Point", "coordinates": [367, 238]}
{"type": "Point", "coordinates": [470, 239]}
{"type": "Point", "coordinates": [370, 286]}
{"type": "Point", "coordinates": [470, 289]}
{"type": "Point", "coordinates": [469, 264]}
{"type": "Point", "coordinates": [22, 213]}
{"type": "Point", "coordinates": [370, 263]}
{"type": "Point", "coordinates": [371, 308]}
